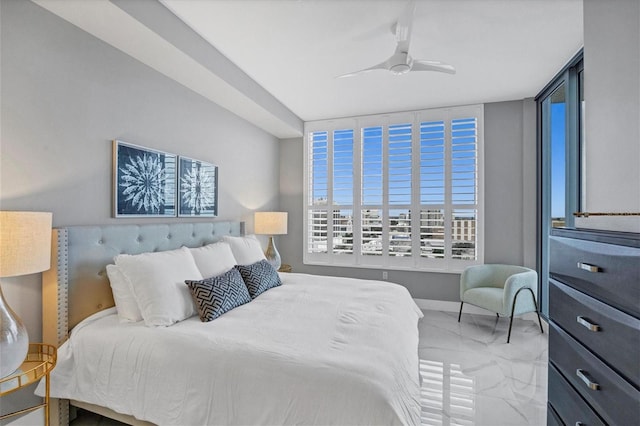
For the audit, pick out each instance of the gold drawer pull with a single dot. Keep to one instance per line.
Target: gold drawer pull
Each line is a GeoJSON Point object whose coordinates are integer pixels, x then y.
{"type": "Point", "coordinates": [585, 379]}
{"type": "Point", "coordinates": [590, 326]}
{"type": "Point", "coordinates": [588, 267]}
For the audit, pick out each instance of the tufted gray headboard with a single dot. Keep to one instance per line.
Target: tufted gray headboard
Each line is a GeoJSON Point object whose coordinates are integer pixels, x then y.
{"type": "Point", "coordinates": [77, 286]}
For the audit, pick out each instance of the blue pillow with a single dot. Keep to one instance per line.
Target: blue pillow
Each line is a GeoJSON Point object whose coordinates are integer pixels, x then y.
{"type": "Point", "coordinates": [259, 277]}
{"type": "Point", "coordinates": [216, 295]}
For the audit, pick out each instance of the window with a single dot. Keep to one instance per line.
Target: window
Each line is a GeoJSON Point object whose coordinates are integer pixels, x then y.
{"type": "Point", "coordinates": [560, 137]}
{"type": "Point", "coordinates": [395, 191]}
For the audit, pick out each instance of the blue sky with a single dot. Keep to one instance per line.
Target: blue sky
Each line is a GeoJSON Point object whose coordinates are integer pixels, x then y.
{"type": "Point", "coordinates": [558, 155]}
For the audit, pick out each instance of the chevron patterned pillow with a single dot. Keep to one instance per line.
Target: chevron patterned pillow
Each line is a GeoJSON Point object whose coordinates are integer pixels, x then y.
{"type": "Point", "coordinates": [216, 295]}
{"type": "Point", "coordinates": [259, 277]}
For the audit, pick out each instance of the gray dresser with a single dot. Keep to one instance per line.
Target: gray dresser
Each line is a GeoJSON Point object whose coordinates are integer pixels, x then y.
{"type": "Point", "coordinates": [594, 328]}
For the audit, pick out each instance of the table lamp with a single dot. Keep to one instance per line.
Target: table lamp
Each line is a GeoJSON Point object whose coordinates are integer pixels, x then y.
{"type": "Point", "coordinates": [25, 248]}
{"type": "Point", "coordinates": [271, 223]}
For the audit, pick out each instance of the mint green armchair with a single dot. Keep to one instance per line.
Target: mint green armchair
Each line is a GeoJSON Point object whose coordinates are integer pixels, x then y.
{"type": "Point", "coordinates": [506, 290]}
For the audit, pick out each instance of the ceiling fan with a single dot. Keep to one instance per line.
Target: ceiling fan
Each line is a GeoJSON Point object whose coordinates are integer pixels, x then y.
{"type": "Point", "coordinates": [401, 62]}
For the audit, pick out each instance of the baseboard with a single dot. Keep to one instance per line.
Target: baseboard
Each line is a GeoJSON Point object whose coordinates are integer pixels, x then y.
{"type": "Point", "coordinates": [448, 306]}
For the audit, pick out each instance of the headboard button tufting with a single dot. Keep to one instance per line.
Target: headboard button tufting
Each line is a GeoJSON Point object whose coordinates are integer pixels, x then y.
{"type": "Point", "coordinates": [80, 273]}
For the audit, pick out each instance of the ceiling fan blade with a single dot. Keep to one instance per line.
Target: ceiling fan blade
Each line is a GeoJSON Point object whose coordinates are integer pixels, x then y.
{"type": "Point", "coordinates": [432, 66]}
{"type": "Point", "coordinates": [380, 66]}
{"type": "Point", "coordinates": [404, 26]}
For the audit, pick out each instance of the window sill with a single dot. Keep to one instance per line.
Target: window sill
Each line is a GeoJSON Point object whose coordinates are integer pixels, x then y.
{"type": "Point", "coordinates": [451, 270]}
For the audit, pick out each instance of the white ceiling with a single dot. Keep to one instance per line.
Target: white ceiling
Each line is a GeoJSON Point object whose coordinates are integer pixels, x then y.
{"type": "Point", "coordinates": [293, 49]}
{"type": "Point", "coordinates": [502, 49]}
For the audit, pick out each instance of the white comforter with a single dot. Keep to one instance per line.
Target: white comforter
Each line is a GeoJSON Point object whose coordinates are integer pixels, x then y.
{"type": "Point", "coordinates": [316, 350]}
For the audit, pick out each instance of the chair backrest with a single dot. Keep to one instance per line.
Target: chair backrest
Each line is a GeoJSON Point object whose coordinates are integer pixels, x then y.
{"type": "Point", "coordinates": [495, 275]}
{"type": "Point", "coordinates": [502, 272]}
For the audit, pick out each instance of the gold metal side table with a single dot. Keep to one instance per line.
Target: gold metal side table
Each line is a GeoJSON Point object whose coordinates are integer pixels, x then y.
{"type": "Point", "coordinates": [39, 362]}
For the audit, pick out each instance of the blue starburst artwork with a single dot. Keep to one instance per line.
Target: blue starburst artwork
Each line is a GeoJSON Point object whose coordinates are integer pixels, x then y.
{"type": "Point", "coordinates": [145, 181]}
{"type": "Point", "coordinates": [198, 188]}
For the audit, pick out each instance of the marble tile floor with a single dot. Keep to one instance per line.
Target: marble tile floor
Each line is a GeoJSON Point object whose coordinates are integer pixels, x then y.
{"type": "Point", "coordinates": [470, 375]}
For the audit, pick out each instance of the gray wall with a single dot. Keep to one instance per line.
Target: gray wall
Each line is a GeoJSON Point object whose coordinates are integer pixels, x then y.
{"type": "Point", "coordinates": [510, 187]}
{"type": "Point", "coordinates": [65, 95]}
{"type": "Point", "coordinates": [612, 96]}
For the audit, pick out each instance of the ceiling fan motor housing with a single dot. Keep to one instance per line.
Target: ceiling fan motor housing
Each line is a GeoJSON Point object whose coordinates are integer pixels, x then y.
{"type": "Point", "coordinates": [400, 63]}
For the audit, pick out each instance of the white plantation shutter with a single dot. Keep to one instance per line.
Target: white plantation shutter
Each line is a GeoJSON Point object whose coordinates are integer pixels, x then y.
{"type": "Point", "coordinates": [432, 189]}
{"type": "Point", "coordinates": [399, 159]}
{"type": "Point", "coordinates": [317, 231]}
{"type": "Point", "coordinates": [343, 167]}
{"type": "Point", "coordinates": [463, 161]}
{"type": "Point", "coordinates": [464, 187]}
{"type": "Point", "coordinates": [399, 155]}
{"type": "Point", "coordinates": [372, 190]}
{"type": "Point", "coordinates": [342, 223]}
{"type": "Point", "coordinates": [396, 191]}
{"type": "Point", "coordinates": [320, 168]}
{"type": "Point", "coordinates": [317, 193]}
{"type": "Point", "coordinates": [432, 152]}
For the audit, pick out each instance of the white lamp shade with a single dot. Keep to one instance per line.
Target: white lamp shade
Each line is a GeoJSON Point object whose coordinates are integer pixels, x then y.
{"type": "Point", "coordinates": [25, 243]}
{"type": "Point", "coordinates": [270, 223]}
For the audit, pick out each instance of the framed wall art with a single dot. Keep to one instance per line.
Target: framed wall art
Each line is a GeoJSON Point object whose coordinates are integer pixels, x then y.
{"type": "Point", "coordinates": [197, 188]}
{"type": "Point", "coordinates": [144, 181]}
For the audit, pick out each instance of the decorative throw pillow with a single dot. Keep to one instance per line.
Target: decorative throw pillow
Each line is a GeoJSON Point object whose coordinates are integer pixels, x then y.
{"type": "Point", "coordinates": [246, 250]}
{"type": "Point", "coordinates": [216, 295]}
{"type": "Point", "coordinates": [126, 304]}
{"type": "Point", "coordinates": [259, 277]}
{"type": "Point", "coordinates": [214, 259]}
{"type": "Point", "coordinates": [157, 280]}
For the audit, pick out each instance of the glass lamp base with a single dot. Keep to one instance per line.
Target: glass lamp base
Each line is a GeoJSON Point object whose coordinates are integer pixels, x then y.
{"type": "Point", "coordinates": [272, 255]}
{"type": "Point", "coordinates": [14, 340]}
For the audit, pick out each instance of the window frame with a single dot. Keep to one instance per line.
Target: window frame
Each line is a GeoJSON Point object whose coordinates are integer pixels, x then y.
{"type": "Point", "coordinates": [568, 77]}
{"type": "Point", "coordinates": [415, 261]}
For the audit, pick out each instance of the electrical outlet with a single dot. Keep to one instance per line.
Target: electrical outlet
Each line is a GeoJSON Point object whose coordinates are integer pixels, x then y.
{"type": "Point", "coordinates": [385, 275]}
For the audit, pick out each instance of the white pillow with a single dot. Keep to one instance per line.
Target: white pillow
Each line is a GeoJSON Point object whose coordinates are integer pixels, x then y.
{"type": "Point", "coordinates": [213, 259]}
{"type": "Point", "coordinates": [126, 304]}
{"type": "Point", "coordinates": [157, 280]}
{"type": "Point", "coordinates": [247, 250]}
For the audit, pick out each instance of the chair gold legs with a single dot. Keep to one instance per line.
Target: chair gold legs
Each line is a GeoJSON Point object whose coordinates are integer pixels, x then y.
{"type": "Point", "coordinates": [513, 306]}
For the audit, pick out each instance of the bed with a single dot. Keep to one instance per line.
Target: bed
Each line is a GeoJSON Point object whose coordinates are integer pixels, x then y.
{"type": "Point", "coordinates": [313, 350]}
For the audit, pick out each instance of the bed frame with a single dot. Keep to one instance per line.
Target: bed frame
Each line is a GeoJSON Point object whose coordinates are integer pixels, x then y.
{"type": "Point", "coordinates": [77, 286]}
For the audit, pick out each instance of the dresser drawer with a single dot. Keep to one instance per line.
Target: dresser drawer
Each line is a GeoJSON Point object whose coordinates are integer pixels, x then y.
{"type": "Point", "coordinates": [607, 272]}
{"type": "Point", "coordinates": [615, 400]}
{"type": "Point", "coordinates": [609, 333]}
{"type": "Point", "coordinates": [568, 404]}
